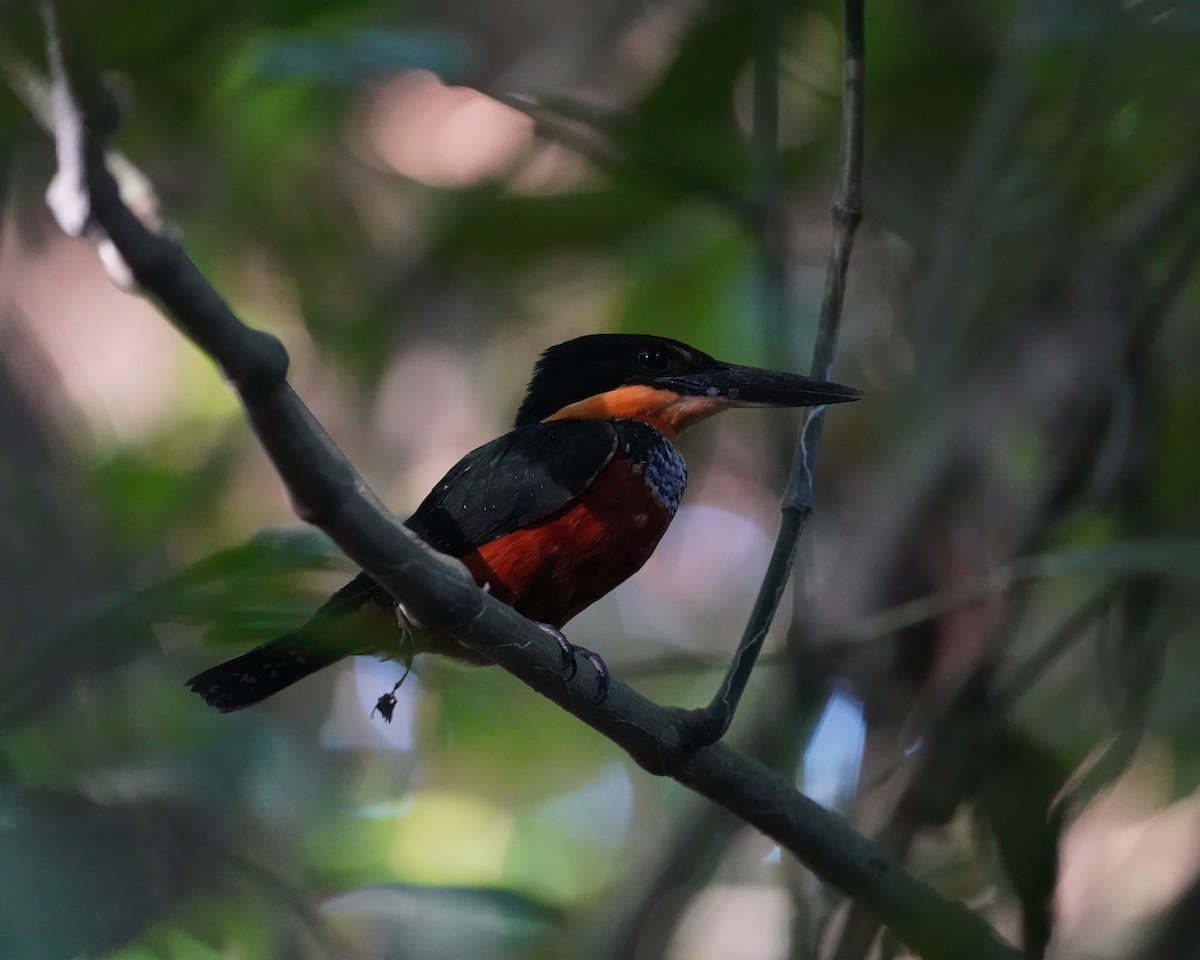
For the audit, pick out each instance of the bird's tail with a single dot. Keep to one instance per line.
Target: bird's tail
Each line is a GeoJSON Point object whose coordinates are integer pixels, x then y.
{"type": "Point", "coordinates": [267, 669]}
{"type": "Point", "coordinates": [263, 671]}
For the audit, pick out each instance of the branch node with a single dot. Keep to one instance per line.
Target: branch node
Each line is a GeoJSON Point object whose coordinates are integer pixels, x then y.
{"type": "Point", "coordinates": [703, 727]}
{"type": "Point", "coordinates": [662, 758]}
{"type": "Point", "coordinates": [846, 212]}
{"type": "Point", "coordinates": [261, 366]}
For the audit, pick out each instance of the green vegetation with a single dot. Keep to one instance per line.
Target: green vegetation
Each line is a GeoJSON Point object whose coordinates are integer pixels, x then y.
{"type": "Point", "coordinates": [1002, 565]}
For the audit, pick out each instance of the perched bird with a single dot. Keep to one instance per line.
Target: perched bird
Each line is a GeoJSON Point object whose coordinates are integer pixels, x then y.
{"type": "Point", "coordinates": [549, 517]}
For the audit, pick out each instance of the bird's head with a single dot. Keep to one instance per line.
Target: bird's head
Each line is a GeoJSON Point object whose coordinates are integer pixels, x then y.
{"type": "Point", "coordinates": [661, 381]}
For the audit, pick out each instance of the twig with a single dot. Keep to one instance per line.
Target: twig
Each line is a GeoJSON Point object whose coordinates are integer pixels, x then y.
{"type": "Point", "coordinates": [1060, 640]}
{"type": "Point", "coordinates": [647, 909]}
{"type": "Point", "coordinates": [1152, 556]}
{"type": "Point", "coordinates": [710, 722]}
{"type": "Point", "coordinates": [438, 592]}
{"type": "Point", "coordinates": [594, 134]}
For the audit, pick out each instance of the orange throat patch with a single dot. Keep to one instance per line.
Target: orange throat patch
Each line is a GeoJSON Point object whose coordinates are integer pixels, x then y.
{"type": "Point", "coordinates": [667, 411]}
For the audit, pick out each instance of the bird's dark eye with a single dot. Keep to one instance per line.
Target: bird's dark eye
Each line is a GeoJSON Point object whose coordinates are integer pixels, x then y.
{"type": "Point", "coordinates": [653, 358]}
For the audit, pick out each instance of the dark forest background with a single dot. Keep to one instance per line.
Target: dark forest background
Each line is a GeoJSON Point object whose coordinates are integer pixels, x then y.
{"type": "Point", "coordinates": [999, 586]}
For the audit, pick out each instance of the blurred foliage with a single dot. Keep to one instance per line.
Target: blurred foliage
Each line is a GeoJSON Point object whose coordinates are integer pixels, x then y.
{"type": "Point", "coordinates": [1022, 314]}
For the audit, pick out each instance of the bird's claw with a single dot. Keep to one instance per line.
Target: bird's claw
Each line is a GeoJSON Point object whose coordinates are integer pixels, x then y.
{"type": "Point", "coordinates": [570, 664]}
{"type": "Point", "coordinates": [599, 666]}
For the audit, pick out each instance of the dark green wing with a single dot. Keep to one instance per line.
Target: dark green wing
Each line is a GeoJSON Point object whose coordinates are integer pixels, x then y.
{"type": "Point", "coordinates": [512, 482]}
{"type": "Point", "coordinates": [515, 481]}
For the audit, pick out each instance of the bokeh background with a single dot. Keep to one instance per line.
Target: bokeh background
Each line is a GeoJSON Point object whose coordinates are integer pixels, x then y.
{"type": "Point", "coordinates": [989, 661]}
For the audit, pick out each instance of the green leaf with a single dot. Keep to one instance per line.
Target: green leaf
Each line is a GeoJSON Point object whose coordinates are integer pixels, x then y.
{"type": "Point", "coordinates": [1175, 557]}
{"type": "Point", "coordinates": [512, 230]}
{"type": "Point", "coordinates": [1017, 801]}
{"type": "Point", "coordinates": [697, 89]}
{"type": "Point", "coordinates": [693, 275]}
{"type": "Point", "coordinates": [433, 921]}
{"type": "Point", "coordinates": [79, 879]}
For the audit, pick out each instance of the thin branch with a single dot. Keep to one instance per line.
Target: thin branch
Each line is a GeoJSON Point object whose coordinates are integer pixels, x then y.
{"type": "Point", "coordinates": [438, 592]}
{"type": "Point", "coordinates": [1161, 295]}
{"type": "Point", "coordinates": [648, 908]}
{"type": "Point", "coordinates": [1061, 639]}
{"type": "Point", "coordinates": [1152, 213]}
{"type": "Point", "coordinates": [595, 134]}
{"type": "Point", "coordinates": [711, 722]}
{"type": "Point", "coordinates": [1166, 557]}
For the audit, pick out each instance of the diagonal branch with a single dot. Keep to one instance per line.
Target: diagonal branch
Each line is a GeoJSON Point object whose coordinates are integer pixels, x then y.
{"type": "Point", "coordinates": [326, 491]}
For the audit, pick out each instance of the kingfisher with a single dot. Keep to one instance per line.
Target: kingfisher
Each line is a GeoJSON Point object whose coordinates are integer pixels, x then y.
{"type": "Point", "coordinates": [551, 516]}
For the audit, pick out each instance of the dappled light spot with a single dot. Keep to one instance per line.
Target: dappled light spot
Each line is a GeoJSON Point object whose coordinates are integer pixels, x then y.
{"type": "Point", "coordinates": [350, 725]}
{"type": "Point", "coordinates": [450, 838]}
{"type": "Point", "coordinates": [832, 762]}
{"type": "Point", "coordinates": [110, 353]}
{"type": "Point", "coordinates": [442, 135]}
{"type": "Point", "coordinates": [747, 921]}
{"type": "Point", "coordinates": [427, 411]}
{"type": "Point", "coordinates": [1126, 856]}
{"type": "Point", "coordinates": [697, 587]}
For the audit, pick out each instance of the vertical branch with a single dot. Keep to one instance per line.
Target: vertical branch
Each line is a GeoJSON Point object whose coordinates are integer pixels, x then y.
{"type": "Point", "coordinates": [846, 209]}
{"type": "Point", "coordinates": [845, 213]}
{"type": "Point", "coordinates": [710, 722]}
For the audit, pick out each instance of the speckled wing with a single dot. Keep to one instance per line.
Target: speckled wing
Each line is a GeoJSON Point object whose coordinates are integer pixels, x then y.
{"type": "Point", "coordinates": [515, 481]}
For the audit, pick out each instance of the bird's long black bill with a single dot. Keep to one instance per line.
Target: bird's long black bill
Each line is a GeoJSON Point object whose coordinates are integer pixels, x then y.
{"type": "Point", "coordinates": [756, 387]}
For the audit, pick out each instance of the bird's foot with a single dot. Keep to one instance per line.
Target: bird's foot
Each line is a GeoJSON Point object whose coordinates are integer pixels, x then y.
{"type": "Point", "coordinates": [570, 665]}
